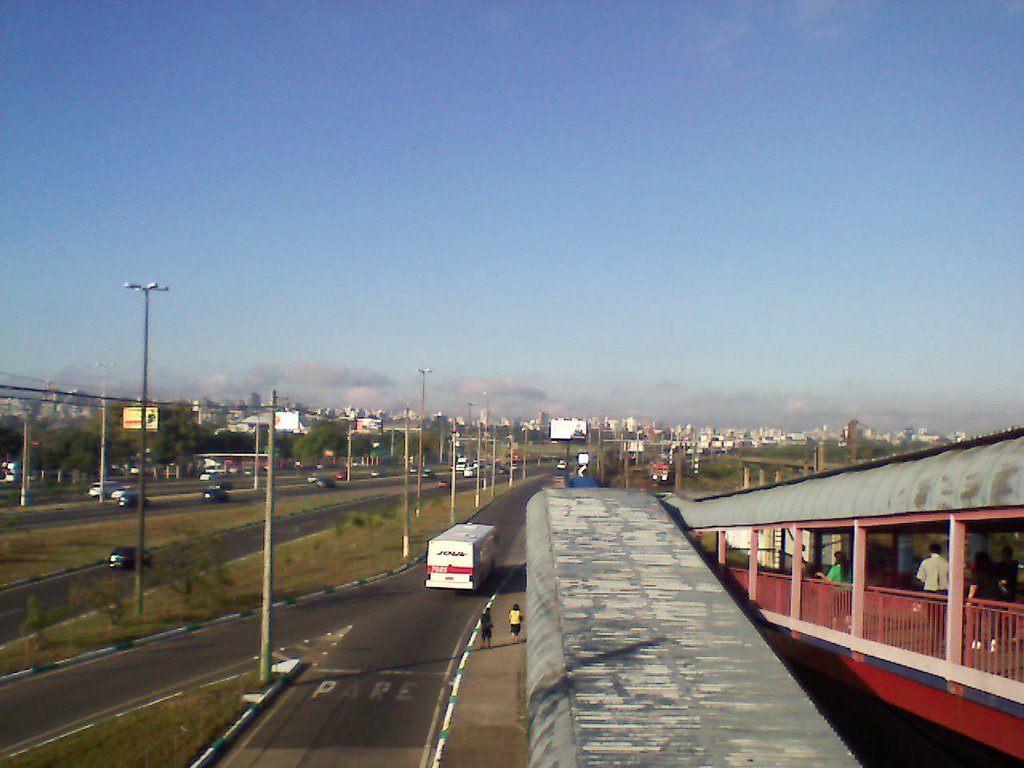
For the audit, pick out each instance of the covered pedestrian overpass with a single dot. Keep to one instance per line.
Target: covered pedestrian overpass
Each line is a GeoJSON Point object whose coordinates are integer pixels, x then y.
{"type": "Point", "coordinates": [953, 660]}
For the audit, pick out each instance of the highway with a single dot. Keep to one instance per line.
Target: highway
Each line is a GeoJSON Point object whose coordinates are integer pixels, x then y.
{"type": "Point", "coordinates": [381, 654]}
{"type": "Point", "coordinates": [54, 592]}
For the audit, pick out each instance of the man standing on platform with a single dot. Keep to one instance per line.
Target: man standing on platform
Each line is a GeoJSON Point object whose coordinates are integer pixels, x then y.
{"type": "Point", "coordinates": [934, 570]}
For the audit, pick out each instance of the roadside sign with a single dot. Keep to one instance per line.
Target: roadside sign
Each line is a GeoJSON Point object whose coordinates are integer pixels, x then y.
{"type": "Point", "coordinates": [131, 417]}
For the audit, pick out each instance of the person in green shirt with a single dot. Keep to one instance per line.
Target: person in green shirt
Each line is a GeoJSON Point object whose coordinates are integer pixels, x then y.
{"type": "Point", "coordinates": [840, 571]}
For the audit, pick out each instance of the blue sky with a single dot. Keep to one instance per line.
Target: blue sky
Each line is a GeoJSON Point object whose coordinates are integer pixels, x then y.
{"type": "Point", "coordinates": [721, 213]}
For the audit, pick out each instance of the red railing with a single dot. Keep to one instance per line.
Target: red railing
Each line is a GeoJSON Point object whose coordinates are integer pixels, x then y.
{"type": "Point", "coordinates": [826, 604]}
{"type": "Point", "coordinates": [994, 638]}
{"type": "Point", "coordinates": [913, 621]}
{"type": "Point", "coordinates": [742, 577]}
{"type": "Point", "coordinates": [773, 592]}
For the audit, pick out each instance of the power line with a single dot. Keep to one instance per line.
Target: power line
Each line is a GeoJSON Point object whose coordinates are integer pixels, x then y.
{"type": "Point", "coordinates": [67, 393]}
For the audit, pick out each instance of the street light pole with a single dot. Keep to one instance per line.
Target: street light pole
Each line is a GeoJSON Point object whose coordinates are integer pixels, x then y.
{"type": "Point", "coordinates": [103, 435]}
{"type": "Point", "coordinates": [405, 487]}
{"type": "Point", "coordinates": [266, 628]}
{"type": "Point", "coordinates": [419, 462]}
{"type": "Point", "coordinates": [479, 468]}
{"type": "Point", "coordinates": [140, 552]}
{"type": "Point", "coordinates": [455, 436]}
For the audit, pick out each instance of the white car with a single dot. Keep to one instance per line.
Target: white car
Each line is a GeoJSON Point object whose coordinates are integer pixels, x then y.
{"type": "Point", "coordinates": [108, 489]}
{"type": "Point", "coordinates": [210, 476]}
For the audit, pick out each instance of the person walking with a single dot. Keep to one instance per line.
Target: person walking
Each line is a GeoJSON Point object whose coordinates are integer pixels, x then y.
{"type": "Point", "coordinates": [933, 572]}
{"type": "Point", "coordinates": [486, 628]}
{"type": "Point", "coordinates": [515, 621]}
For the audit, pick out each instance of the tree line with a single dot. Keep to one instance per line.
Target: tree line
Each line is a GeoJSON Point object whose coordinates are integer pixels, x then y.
{"type": "Point", "coordinates": [74, 446]}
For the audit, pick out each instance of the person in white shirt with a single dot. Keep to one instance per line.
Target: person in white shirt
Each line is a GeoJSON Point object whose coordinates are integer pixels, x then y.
{"type": "Point", "coordinates": [934, 570]}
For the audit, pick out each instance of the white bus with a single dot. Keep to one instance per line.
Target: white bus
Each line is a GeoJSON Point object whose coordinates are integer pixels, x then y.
{"type": "Point", "coordinates": [462, 557]}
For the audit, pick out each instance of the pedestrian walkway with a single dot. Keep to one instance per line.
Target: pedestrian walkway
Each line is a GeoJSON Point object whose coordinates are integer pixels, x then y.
{"type": "Point", "coordinates": [488, 727]}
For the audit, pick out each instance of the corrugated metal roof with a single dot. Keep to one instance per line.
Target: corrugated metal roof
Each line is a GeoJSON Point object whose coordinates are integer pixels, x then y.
{"type": "Point", "coordinates": [639, 657]}
{"type": "Point", "coordinates": [969, 476]}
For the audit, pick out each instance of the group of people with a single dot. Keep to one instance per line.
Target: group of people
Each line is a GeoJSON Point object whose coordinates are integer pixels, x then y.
{"type": "Point", "coordinates": [515, 625]}
{"type": "Point", "coordinates": [987, 580]}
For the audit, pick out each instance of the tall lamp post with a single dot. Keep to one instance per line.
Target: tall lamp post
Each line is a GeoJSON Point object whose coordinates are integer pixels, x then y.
{"type": "Point", "coordinates": [419, 461]}
{"type": "Point", "coordinates": [103, 435]}
{"type": "Point", "coordinates": [141, 548]}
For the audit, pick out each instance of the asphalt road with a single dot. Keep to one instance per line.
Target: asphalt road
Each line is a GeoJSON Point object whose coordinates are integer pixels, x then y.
{"type": "Point", "coordinates": [386, 648]}
{"type": "Point", "coordinates": [54, 592]}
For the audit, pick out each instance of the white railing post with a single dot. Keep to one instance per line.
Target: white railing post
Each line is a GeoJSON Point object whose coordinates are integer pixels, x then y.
{"type": "Point", "coordinates": [859, 566]}
{"type": "Point", "coordinates": [955, 598]}
{"type": "Point", "coordinates": [752, 567]}
{"type": "Point", "coordinates": [796, 573]}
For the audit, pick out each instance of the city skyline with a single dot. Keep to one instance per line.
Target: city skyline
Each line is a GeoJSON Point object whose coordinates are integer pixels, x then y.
{"type": "Point", "coordinates": [791, 213]}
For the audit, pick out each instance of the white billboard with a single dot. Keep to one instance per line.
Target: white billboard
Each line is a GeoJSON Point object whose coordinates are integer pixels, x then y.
{"type": "Point", "coordinates": [568, 429]}
{"type": "Point", "coordinates": [286, 421]}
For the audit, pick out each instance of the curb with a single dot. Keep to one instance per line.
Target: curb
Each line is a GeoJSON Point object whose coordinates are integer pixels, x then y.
{"type": "Point", "coordinates": [288, 669]}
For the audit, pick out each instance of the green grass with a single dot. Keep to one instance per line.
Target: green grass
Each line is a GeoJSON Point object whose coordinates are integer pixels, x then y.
{"type": "Point", "coordinates": [25, 553]}
{"type": "Point", "coordinates": [169, 733]}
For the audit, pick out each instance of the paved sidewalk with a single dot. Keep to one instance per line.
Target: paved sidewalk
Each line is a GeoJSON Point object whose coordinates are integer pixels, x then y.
{"type": "Point", "coordinates": [486, 728]}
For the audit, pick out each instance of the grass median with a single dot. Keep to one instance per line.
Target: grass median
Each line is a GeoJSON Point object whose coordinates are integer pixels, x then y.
{"type": "Point", "coordinates": [27, 553]}
{"type": "Point", "coordinates": [169, 733]}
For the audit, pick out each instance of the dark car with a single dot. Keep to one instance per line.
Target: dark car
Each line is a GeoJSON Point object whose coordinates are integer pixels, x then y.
{"type": "Point", "coordinates": [130, 500]}
{"type": "Point", "coordinates": [427, 472]}
{"type": "Point", "coordinates": [216, 493]}
{"type": "Point", "coordinates": [325, 482]}
{"type": "Point", "coordinates": [123, 558]}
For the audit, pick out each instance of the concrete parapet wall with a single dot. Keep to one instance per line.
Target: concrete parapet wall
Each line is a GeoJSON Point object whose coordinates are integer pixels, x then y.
{"type": "Point", "coordinates": [547, 680]}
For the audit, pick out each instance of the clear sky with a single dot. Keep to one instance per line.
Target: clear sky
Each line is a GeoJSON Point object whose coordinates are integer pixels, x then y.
{"type": "Point", "coordinates": [730, 213]}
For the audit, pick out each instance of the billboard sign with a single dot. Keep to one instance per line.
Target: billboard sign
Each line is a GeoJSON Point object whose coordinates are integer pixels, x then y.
{"type": "Point", "coordinates": [286, 421]}
{"type": "Point", "coordinates": [131, 417]}
{"type": "Point", "coordinates": [369, 425]}
{"type": "Point", "coordinates": [568, 429]}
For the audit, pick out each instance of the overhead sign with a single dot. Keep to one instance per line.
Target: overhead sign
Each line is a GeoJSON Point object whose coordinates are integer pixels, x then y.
{"type": "Point", "coordinates": [131, 417]}
{"type": "Point", "coordinates": [568, 429]}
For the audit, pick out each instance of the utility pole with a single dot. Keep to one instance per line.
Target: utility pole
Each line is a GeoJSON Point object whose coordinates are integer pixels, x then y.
{"type": "Point", "coordinates": [405, 488]}
{"type": "Point", "coordinates": [455, 436]}
{"type": "Point", "coordinates": [479, 468]}
{"type": "Point", "coordinates": [256, 455]}
{"type": "Point", "coordinates": [494, 462]}
{"type": "Point", "coordinates": [348, 470]}
{"type": "Point", "coordinates": [266, 634]}
{"type": "Point", "coordinates": [26, 459]}
{"type": "Point", "coordinates": [423, 421]}
{"type": "Point", "coordinates": [103, 435]}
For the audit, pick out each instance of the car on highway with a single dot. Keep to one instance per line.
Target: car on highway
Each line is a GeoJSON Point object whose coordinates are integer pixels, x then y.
{"type": "Point", "coordinates": [342, 475]}
{"type": "Point", "coordinates": [216, 493]}
{"type": "Point", "coordinates": [323, 482]}
{"type": "Point", "coordinates": [123, 558]}
{"type": "Point", "coordinates": [561, 464]}
{"type": "Point", "coordinates": [444, 482]}
{"type": "Point", "coordinates": [108, 489]}
{"type": "Point", "coordinates": [428, 472]}
{"type": "Point", "coordinates": [209, 475]}
{"type": "Point", "coordinates": [130, 498]}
